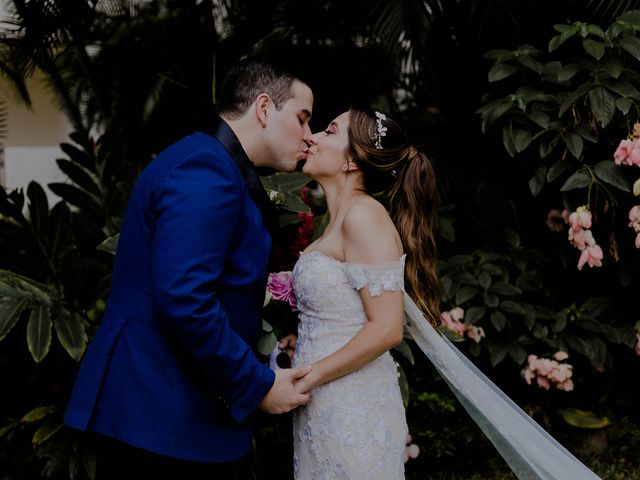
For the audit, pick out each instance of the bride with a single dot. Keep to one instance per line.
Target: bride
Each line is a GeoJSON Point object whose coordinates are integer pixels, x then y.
{"type": "Point", "coordinates": [350, 286]}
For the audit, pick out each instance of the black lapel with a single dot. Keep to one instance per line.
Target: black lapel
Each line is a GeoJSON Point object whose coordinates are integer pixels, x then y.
{"type": "Point", "coordinates": [225, 135]}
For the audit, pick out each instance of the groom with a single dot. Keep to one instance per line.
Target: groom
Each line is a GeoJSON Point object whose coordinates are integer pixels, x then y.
{"type": "Point", "coordinates": [170, 379]}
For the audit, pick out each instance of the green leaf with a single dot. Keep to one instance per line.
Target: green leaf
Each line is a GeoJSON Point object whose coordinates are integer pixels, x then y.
{"type": "Point", "coordinates": [560, 323]}
{"type": "Point", "coordinates": [631, 45]}
{"type": "Point", "coordinates": [484, 279]}
{"type": "Point", "coordinates": [593, 48]}
{"type": "Point", "coordinates": [46, 431]}
{"type": "Point", "coordinates": [38, 413]}
{"type": "Point", "coordinates": [89, 463]}
{"type": "Point", "coordinates": [501, 71]}
{"type": "Point", "coordinates": [540, 118]}
{"type": "Point", "coordinates": [39, 332]}
{"type": "Point", "coordinates": [596, 30]}
{"type": "Point", "coordinates": [624, 105]}
{"type": "Point", "coordinates": [513, 307]}
{"type": "Point", "coordinates": [580, 179]}
{"type": "Point", "coordinates": [10, 311]}
{"type": "Point", "coordinates": [285, 182]}
{"type": "Point", "coordinates": [537, 182]}
{"type": "Point", "coordinates": [464, 294]}
{"type": "Point", "coordinates": [582, 419]}
{"type": "Point", "coordinates": [266, 343]}
{"type": "Point", "coordinates": [403, 384]}
{"type": "Point", "coordinates": [517, 353]}
{"type": "Point", "coordinates": [596, 306]}
{"type": "Point", "coordinates": [613, 66]}
{"type": "Point", "coordinates": [71, 332]}
{"type": "Point", "coordinates": [540, 331]}
{"type": "Point", "coordinates": [603, 105]}
{"type": "Point", "coordinates": [266, 327]}
{"type": "Point", "coordinates": [491, 301]}
{"type": "Point", "coordinates": [59, 222]}
{"type": "Point", "coordinates": [38, 209]}
{"type": "Point", "coordinates": [613, 174]}
{"type": "Point", "coordinates": [498, 320]}
{"type": "Point", "coordinates": [75, 196]}
{"type": "Point", "coordinates": [504, 288]}
{"type": "Point", "coordinates": [404, 349]}
{"type": "Point", "coordinates": [521, 139]}
{"type": "Point", "coordinates": [557, 169]}
{"type": "Point", "coordinates": [474, 314]}
{"type": "Point", "coordinates": [294, 203]}
{"type": "Point", "coordinates": [78, 156]}
{"type": "Point", "coordinates": [79, 176]}
{"type": "Point", "coordinates": [575, 144]}
{"type": "Point", "coordinates": [109, 244]}
{"type": "Point", "coordinates": [498, 351]}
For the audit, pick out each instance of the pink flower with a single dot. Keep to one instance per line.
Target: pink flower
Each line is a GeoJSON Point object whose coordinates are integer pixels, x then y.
{"type": "Point", "coordinates": [634, 216]}
{"type": "Point", "coordinates": [543, 383]}
{"type": "Point", "coordinates": [581, 238]}
{"type": "Point", "coordinates": [528, 375]}
{"type": "Point", "coordinates": [634, 155]}
{"type": "Point", "coordinates": [566, 386]}
{"type": "Point", "coordinates": [280, 285]}
{"type": "Point", "coordinates": [622, 152]}
{"type": "Point", "coordinates": [581, 218]}
{"type": "Point", "coordinates": [411, 450]}
{"type": "Point", "coordinates": [637, 349]}
{"type": "Point", "coordinates": [475, 333]}
{"type": "Point", "coordinates": [554, 218]}
{"type": "Point", "coordinates": [638, 240]}
{"type": "Point", "coordinates": [451, 320]}
{"type": "Point", "coordinates": [560, 355]}
{"type": "Point", "coordinates": [592, 255]}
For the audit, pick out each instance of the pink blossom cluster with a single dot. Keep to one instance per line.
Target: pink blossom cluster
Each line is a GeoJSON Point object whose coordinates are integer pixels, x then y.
{"type": "Point", "coordinates": [637, 349]}
{"type": "Point", "coordinates": [280, 286]}
{"type": "Point", "coordinates": [628, 153]}
{"type": "Point", "coordinates": [581, 237]}
{"type": "Point", "coordinates": [634, 216]}
{"type": "Point", "coordinates": [547, 372]}
{"type": "Point", "coordinates": [411, 450]}
{"type": "Point", "coordinates": [453, 321]}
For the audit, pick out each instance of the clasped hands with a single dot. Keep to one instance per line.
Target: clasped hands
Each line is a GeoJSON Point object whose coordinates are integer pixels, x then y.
{"type": "Point", "coordinates": [291, 387]}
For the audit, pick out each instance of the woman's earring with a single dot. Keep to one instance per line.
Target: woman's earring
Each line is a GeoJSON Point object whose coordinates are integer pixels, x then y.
{"type": "Point", "coordinates": [345, 167]}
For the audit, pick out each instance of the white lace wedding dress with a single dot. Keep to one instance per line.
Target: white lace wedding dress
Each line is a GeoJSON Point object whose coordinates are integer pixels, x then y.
{"type": "Point", "coordinates": [354, 428]}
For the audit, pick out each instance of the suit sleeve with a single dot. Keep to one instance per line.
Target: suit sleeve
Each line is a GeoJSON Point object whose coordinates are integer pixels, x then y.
{"type": "Point", "coordinates": [198, 211]}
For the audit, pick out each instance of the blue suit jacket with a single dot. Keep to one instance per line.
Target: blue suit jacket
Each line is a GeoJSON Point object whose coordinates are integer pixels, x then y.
{"type": "Point", "coordinates": [171, 368]}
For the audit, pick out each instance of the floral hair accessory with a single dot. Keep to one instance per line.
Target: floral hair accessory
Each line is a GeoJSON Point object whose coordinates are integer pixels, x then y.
{"type": "Point", "coordinates": [381, 130]}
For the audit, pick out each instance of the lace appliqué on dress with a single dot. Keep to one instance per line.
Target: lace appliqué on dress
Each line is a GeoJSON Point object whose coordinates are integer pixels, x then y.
{"type": "Point", "coordinates": [386, 276]}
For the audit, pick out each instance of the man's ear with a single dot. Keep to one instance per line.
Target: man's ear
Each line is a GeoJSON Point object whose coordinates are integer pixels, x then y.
{"type": "Point", "coordinates": [263, 102]}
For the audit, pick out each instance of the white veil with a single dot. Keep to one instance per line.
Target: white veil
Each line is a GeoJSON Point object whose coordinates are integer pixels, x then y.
{"type": "Point", "coordinates": [528, 449]}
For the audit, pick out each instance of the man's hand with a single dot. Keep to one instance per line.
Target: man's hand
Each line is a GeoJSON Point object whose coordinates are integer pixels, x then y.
{"type": "Point", "coordinates": [283, 396]}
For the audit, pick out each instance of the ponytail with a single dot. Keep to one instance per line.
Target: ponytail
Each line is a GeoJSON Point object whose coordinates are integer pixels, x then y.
{"type": "Point", "coordinates": [413, 200]}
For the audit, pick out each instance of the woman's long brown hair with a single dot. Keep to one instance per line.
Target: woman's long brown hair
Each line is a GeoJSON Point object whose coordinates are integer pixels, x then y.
{"type": "Point", "coordinates": [408, 177]}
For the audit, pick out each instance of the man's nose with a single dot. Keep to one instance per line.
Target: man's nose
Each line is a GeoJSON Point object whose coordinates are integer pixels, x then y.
{"type": "Point", "coordinates": [309, 139]}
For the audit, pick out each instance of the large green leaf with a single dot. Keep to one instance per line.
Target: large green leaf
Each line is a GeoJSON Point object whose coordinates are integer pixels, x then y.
{"type": "Point", "coordinates": [614, 175]}
{"type": "Point", "coordinates": [39, 332]}
{"type": "Point", "coordinates": [38, 209]}
{"type": "Point", "coordinates": [603, 105]}
{"type": "Point", "coordinates": [71, 332]}
{"type": "Point", "coordinates": [594, 48]}
{"type": "Point", "coordinates": [59, 222]}
{"type": "Point", "coordinates": [575, 144]}
{"type": "Point", "coordinates": [500, 71]}
{"type": "Point", "coordinates": [38, 413]}
{"type": "Point", "coordinates": [79, 176]}
{"type": "Point", "coordinates": [75, 196]}
{"type": "Point", "coordinates": [46, 431]}
{"type": "Point", "coordinates": [110, 244]}
{"type": "Point", "coordinates": [10, 311]}
{"type": "Point", "coordinates": [631, 45]}
{"type": "Point", "coordinates": [582, 419]}
{"type": "Point", "coordinates": [78, 156]}
{"type": "Point", "coordinates": [580, 179]}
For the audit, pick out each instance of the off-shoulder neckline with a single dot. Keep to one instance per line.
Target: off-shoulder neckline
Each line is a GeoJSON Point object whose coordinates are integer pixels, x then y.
{"type": "Point", "coordinates": [341, 262]}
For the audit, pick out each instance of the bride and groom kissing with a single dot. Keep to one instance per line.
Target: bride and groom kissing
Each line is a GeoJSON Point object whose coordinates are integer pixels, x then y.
{"type": "Point", "coordinates": [170, 380]}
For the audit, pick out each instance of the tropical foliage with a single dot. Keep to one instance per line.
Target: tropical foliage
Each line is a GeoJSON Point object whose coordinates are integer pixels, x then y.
{"type": "Point", "coordinates": [520, 105]}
